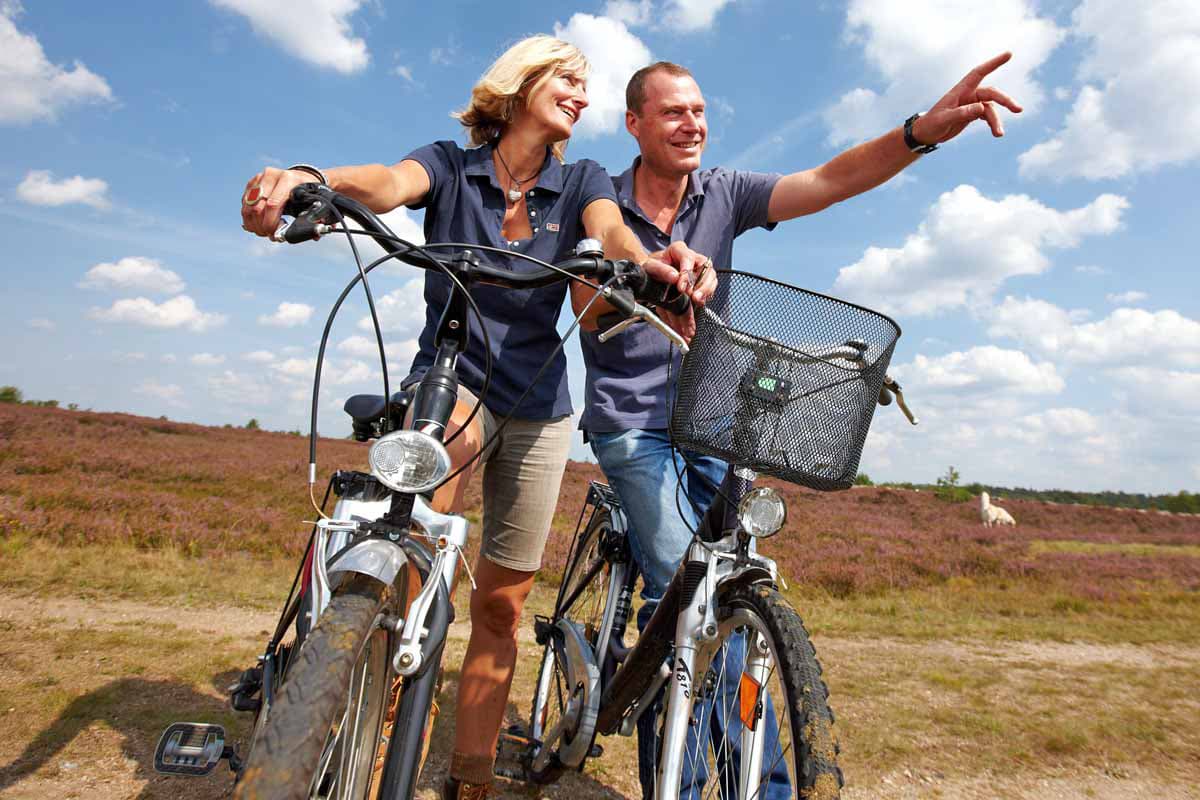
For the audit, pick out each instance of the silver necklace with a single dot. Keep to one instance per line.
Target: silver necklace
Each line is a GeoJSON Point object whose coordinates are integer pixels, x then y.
{"type": "Point", "coordinates": [514, 194]}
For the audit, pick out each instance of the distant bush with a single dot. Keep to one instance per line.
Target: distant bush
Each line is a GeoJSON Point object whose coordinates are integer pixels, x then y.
{"type": "Point", "coordinates": [10, 394]}
{"type": "Point", "coordinates": [253, 425]}
{"type": "Point", "coordinates": [863, 479]}
{"type": "Point", "coordinates": [1183, 503]}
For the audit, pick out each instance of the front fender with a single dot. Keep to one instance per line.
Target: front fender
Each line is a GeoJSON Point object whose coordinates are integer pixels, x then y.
{"type": "Point", "coordinates": [378, 558]}
{"type": "Point", "coordinates": [748, 575]}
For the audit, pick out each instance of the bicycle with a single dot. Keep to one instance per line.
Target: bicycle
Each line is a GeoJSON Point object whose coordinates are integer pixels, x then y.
{"type": "Point", "coordinates": [771, 386]}
{"type": "Point", "coordinates": [343, 706]}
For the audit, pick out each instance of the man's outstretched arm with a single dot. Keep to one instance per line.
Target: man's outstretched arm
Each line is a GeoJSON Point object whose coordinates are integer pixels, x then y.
{"type": "Point", "coordinates": [869, 164]}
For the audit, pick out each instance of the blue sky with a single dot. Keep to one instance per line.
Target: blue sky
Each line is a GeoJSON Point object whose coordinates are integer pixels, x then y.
{"type": "Point", "coordinates": [1044, 281]}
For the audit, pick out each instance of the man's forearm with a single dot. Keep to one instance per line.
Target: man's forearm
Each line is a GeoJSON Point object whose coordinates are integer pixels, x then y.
{"type": "Point", "coordinates": [865, 166]}
{"type": "Point", "coordinates": [852, 172]}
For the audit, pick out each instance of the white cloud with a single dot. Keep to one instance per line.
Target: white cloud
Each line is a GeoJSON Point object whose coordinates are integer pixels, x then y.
{"type": "Point", "coordinates": [1126, 336]}
{"type": "Point", "coordinates": [980, 370]}
{"type": "Point", "coordinates": [315, 31]}
{"type": "Point", "coordinates": [445, 55]}
{"type": "Point", "coordinates": [42, 324]}
{"type": "Point", "coordinates": [1130, 115]}
{"type": "Point", "coordinates": [692, 15]}
{"type": "Point", "coordinates": [178, 312]}
{"type": "Point", "coordinates": [1160, 393]}
{"type": "Point", "coordinates": [133, 273]}
{"type": "Point", "coordinates": [287, 315]}
{"type": "Point", "coordinates": [1091, 269]}
{"type": "Point", "coordinates": [630, 12]}
{"type": "Point", "coordinates": [1126, 298]}
{"type": "Point", "coordinates": [31, 87]}
{"type": "Point", "coordinates": [1063, 422]}
{"type": "Point", "coordinates": [171, 393]}
{"type": "Point", "coordinates": [400, 310]}
{"type": "Point", "coordinates": [921, 49]}
{"type": "Point", "coordinates": [207, 360]}
{"type": "Point", "coordinates": [399, 353]}
{"type": "Point", "coordinates": [241, 389]}
{"type": "Point", "coordinates": [967, 246]}
{"type": "Point", "coordinates": [296, 367]}
{"type": "Point", "coordinates": [260, 356]}
{"type": "Point", "coordinates": [40, 189]}
{"type": "Point", "coordinates": [352, 372]}
{"type": "Point", "coordinates": [677, 16]}
{"type": "Point", "coordinates": [615, 54]}
{"type": "Point", "coordinates": [404, 72]}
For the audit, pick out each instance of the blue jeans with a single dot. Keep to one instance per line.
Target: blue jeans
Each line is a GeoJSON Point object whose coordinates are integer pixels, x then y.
{"type": "Point", "coordinates": [642, 469]}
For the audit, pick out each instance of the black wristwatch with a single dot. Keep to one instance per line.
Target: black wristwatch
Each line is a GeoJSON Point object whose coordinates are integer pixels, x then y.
{"type": "Point", "coordinates": [910, 140]}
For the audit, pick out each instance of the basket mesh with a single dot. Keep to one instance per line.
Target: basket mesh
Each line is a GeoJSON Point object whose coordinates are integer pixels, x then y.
{"type": "Point", "coordinates": [783, 381]}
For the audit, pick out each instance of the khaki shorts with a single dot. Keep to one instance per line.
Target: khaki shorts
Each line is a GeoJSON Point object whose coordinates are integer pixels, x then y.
{"type": "Point", "coordinates": [521, 476]}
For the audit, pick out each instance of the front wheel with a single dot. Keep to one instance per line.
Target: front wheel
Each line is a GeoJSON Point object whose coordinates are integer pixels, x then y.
{"type": "Point", "coordinates": [761, 726]}
{"type": "Point", "coordinates": [323, 732]}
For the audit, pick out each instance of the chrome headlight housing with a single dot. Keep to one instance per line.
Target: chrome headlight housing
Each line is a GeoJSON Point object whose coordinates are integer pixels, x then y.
{"type": "Point", "coordinates": [762, 512]}
{"type": "Point", "coordinates": [409, 461]}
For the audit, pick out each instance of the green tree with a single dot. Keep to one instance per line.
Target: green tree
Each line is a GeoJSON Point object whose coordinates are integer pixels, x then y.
{"type": "Point", "coordinates": [948, 488]}
{"type": "Point", "coordinates": [863, 479]}
{"type": "Point", "coordinates": [10, 394]}
{"type": "Point", "coordinates": [253, 425]}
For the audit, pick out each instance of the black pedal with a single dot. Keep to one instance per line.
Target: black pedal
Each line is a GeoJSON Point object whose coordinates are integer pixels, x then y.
{"type": "Point", "coordinates": [512, 752]}
{"type": "Point", "coordinates": [543, 629]}
{"type": "Point", "coordinates": [243, 695]}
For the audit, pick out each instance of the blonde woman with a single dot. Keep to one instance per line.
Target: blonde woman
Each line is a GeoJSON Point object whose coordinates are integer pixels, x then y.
{"type": "Point", "coordinates": [511, 189]}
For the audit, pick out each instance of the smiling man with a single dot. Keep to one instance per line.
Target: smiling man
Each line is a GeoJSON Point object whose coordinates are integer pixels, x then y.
{"type": "Point", "coordinates": [666, 197]}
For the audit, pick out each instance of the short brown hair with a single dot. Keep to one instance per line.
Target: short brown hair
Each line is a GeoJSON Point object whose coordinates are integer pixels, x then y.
{"type": "Point", "coordinates": [635, 91]}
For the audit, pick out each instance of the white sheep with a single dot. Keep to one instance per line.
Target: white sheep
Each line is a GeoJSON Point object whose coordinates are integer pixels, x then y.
{"type": "Point", "coordinates": [993, 515]}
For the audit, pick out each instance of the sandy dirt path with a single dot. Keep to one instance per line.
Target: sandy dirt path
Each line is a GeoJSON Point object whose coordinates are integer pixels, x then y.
{"type": "Point", "coordinates": [101, 754]}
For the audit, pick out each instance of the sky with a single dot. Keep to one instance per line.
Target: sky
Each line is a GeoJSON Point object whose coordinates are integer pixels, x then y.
{"type": "Point", "coordinates": [1044, 281]}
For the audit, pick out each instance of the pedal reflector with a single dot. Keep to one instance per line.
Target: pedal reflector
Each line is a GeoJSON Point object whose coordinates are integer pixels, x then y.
{"type": "Point", "coordinates": [749, 693]}
{"type": "Point", "coordinates": [189, 748]}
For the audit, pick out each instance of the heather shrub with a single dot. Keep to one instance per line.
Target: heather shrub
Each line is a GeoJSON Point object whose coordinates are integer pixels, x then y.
{"type": "Point", "coordinates": [207, 491]}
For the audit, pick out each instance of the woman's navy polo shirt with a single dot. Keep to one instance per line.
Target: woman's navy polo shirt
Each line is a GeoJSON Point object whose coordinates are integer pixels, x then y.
{"type": "Point", "coordinates": [465, 203]}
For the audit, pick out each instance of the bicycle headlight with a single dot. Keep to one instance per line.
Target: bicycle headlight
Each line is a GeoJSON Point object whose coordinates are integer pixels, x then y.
{"type": "Point", "coordinates": [409, 461]}
{"type": "Point", "coordinates": [762, 512]}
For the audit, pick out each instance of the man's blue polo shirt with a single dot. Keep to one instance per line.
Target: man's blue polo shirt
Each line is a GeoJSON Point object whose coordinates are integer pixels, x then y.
{"type": "Point", "coordinates": [627, 375]}
{"type": "Point", "coordinates": [465, 203]}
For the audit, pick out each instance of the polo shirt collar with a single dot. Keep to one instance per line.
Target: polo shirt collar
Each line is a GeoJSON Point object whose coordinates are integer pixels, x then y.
{"type": "Point", "coordinates": [479, 161]}
{"type": "Point", "coordinates": [626, 199]}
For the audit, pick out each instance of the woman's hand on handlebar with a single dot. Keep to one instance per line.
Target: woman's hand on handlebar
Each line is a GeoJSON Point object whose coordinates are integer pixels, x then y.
{"type": "Point", "coordinates": [265, 195]}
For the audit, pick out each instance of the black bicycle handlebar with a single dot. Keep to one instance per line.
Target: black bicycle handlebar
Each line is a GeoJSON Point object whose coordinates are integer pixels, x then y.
{"type": "Point", "coordinates": [316, 207]}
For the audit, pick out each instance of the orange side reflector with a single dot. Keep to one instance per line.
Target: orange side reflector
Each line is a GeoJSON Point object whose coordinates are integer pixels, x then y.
{"type": "Point", "coordinates": [748, 693]}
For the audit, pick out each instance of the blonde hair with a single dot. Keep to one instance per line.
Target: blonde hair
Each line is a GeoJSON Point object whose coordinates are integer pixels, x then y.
{"type": "Point", "coordinates": [511, 79]}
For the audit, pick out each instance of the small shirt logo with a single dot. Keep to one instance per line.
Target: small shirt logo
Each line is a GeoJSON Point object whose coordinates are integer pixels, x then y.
{"type": "Point", "coordinates": [552, 227]}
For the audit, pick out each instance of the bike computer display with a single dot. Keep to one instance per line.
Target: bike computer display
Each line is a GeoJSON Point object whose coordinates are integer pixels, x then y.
{"type": "Point", "coordinates": [765, 386]}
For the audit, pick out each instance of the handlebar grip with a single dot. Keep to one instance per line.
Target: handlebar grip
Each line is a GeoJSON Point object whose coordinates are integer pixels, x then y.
{"type": "Point", "coordinates": [300, 200]}
{"type": "Point", "coordinates": [664, 296]}
{"type": "Point", "coordinates": [309, 209]}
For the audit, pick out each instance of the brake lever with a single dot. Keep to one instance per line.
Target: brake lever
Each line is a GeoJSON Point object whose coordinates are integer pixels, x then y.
{"type": "Point", "coordinates": [642, 314]}
{"type": "Point", "coordinates": [890, 385]}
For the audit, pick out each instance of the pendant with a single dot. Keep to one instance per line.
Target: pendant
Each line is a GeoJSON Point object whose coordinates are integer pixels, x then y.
{"type": "Point", "coordinates": [514, 195]}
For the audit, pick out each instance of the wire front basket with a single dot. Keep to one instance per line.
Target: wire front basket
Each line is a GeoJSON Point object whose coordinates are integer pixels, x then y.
{"type": "Point", "coordinates": [782, 380]}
